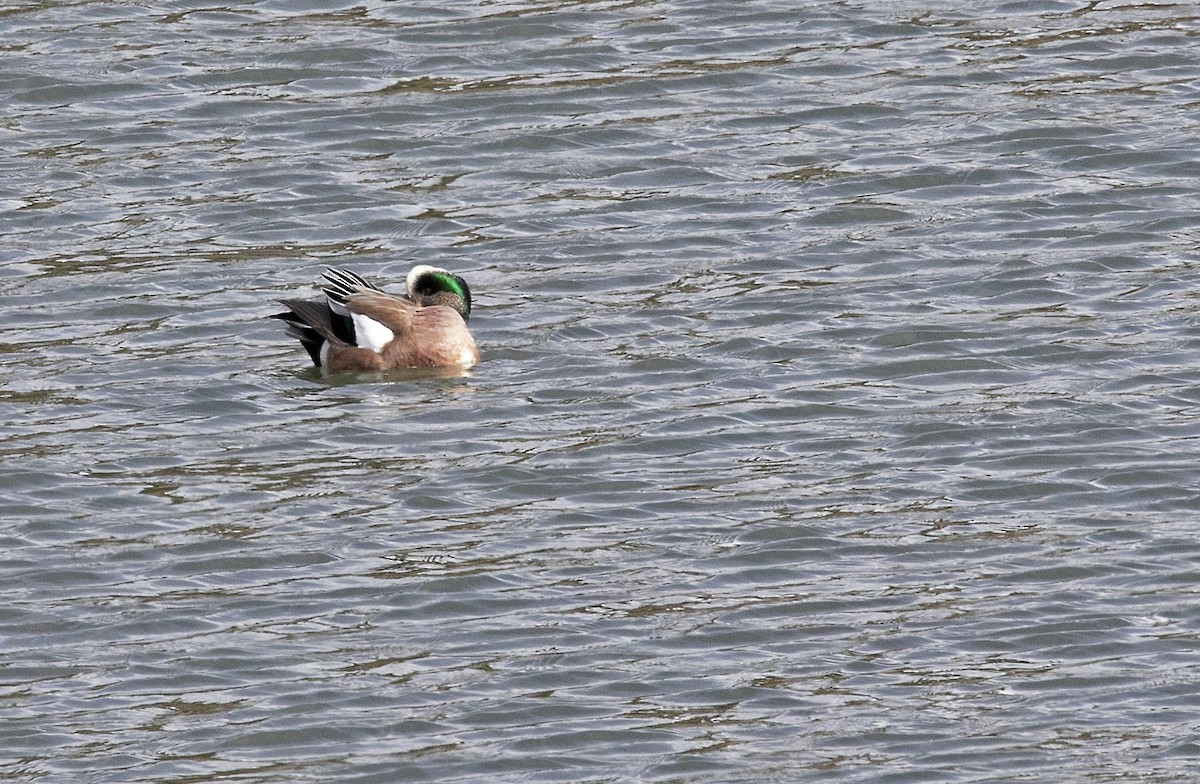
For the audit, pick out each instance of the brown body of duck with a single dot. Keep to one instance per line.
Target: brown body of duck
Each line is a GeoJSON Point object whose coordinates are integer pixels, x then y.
{"type": "Point", "coordinates": [360, 327]}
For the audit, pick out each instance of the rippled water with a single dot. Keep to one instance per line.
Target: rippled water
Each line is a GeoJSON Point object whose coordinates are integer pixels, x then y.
{"type": "Point", "coordinates": [837, 417]}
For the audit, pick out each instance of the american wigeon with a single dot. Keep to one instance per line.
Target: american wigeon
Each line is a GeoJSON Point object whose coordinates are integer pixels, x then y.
{"type": "Point", "coordinates": [359, 327]}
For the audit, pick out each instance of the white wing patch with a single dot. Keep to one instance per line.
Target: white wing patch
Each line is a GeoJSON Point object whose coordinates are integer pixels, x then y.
{"type": "Point", "coordinates": [369, 333]}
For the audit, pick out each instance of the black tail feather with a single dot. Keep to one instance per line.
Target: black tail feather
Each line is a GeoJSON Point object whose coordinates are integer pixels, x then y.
{"type": "Point", "coordinates": [313, 322]}
{"type": "Point", "coordinates": [310, 322]}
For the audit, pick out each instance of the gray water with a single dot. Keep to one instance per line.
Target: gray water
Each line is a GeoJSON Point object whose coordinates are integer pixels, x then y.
{"type": "Point", "coordinates": [838, 417]}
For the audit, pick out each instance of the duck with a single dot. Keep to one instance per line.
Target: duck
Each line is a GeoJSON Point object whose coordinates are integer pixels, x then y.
{"type": "Point", "coordinates": [360, 327]}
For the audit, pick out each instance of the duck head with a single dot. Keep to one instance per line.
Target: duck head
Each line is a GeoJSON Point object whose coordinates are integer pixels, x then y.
{"type": "Point", "coordinates": [435, 286]}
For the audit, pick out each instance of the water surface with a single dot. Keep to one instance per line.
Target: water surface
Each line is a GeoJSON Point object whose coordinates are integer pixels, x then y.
{"type": "Point", "coordinates": [837, 415]}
